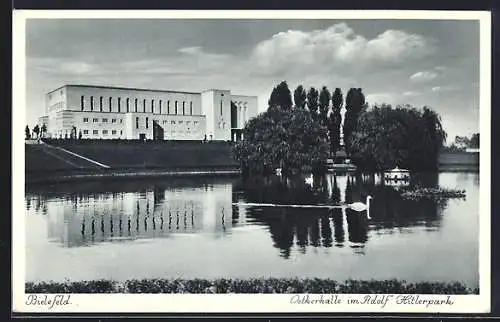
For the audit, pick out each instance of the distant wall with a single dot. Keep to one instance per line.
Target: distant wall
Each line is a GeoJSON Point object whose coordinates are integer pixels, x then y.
{"type": "Point", "coordinates": [459, 161]}
{"type": "Point", "coordinates": [459, 158]}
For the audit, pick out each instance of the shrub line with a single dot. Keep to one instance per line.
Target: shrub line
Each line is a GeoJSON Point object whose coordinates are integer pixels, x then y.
{"type": "Point", "coordinates": [253, 285]}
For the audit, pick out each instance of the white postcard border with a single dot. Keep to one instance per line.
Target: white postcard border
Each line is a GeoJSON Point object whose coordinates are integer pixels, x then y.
{"type": "Point", "coordinates": [241, 302]}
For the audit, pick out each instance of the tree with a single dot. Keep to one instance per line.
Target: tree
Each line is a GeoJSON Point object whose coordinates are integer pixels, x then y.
{"type": "Point", "coordinates": [286, 139]}
{"type": "Point", "coordinates": [462, 142]}
{"type": "Point", "coordinates": [406, 137]}
{"type": "Point", "coordinates": [281, 96]}
{"type": "Point", "coordinates": [27, 133]}
{"type": "Point", "coordinates": [43, 129]}
{"type": "Point", "coordinates": [312, 102]}
{"type": "Point", "coordinates": [36, 130]}
{"type": "Point", "coordinates": [299, 97]}
{"type": "Point", "coordinates": [354, 104]}
{"type": "Point", "coordinates": [474, 141]}
{"type": "Point", "coordinates": [335, 120]}
{"type": "Point", "coordinates": [324, 104]}
{"type": "Point", "coordinates": [80, 135]}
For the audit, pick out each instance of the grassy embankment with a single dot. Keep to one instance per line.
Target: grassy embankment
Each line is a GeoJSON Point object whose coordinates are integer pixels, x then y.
{"type": "Point", "coordinates": [137, 158]}
{"type": "Point", "coordinates": [47, 162]}
{"type": "Point", "coordinates": [260, 285]}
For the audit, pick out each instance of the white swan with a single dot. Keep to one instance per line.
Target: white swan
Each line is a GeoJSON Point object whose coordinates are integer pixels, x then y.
{"type": "Point", "coordinates": [359, 206]}
{"type": "Point", "coordinates": [309, 180]}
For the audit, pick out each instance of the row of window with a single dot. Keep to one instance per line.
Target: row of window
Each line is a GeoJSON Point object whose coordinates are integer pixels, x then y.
{"type": "Point", "coordinates": [145, 105]}
{"type": "Point", "coordinates": [104, 120]}
{"type": "Point", "coordinates": [104, 132]}
{"type": "Point", "coordinates": [188, 123]}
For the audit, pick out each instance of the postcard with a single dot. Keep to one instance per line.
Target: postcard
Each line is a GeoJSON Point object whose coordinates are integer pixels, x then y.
{"type": "Point", "coordinates": [251, 161]}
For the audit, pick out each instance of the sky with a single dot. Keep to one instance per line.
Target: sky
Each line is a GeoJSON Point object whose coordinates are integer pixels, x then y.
{"type": "Point", "coordinates": [432, 63]}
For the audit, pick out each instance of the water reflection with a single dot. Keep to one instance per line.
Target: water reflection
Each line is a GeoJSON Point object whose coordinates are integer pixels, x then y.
{"type": "Point", "coordinates": [82, 218]}
{"type": "Point", "coordinates": [202, 228]}
{"type": "Point", "coordinates": [117, 212]}
{"type": "Point", "coordinates": [311, 228]}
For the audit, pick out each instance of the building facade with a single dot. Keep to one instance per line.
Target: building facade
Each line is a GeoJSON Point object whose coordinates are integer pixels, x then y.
{"type": "Point", "coordinates": [99, 112]}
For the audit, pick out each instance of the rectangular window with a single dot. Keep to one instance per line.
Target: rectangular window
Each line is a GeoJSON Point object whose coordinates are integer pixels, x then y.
{"type": "Point", "coordinates": [152, 106]}
{"type": "Point", "coordinates": [220, 107]}
{"type": "Point", "coordinates": [144, 105]}
{"type": "Point", "coordinates": [175, 107]}
{"type": "Point", "coordinates": [136, 105]}
{"type": "Point", "coordinates": [121, 121]}
{"type": "Point", "coordinates": [136, 122]}
{"type": "Point", "coordinates": [168, 107]}
{"type": "Point", "coordinates": [95, 120]}
{"type": "Point", "coordinates": [100, 103]}
{"type": "Point", "coordinates": [95, 132]}
{"type": "Point", "coordinates": [81, 103]}
{"type": "Point", "coordinates": [110, 104]}
{"type": "Point", "coordinates": [104, 120]}
{"type": "Point", "coordinates": [128, 104]}
{"type": "Point", "coordinates": [113, 120]}
{"type": "Point", "coordinates": [113, 132]}
{"type": "Point", "coordinates": [183, 108]}
{"type": "Point", "coordinates": [85, 131]}
{"type": "Point", "coordinates": [105, 132]}
{"type": "Point", "coordinates": [91, 103]}
{"type": "Point", "coordinates": [147, 123]}
{"type": "Point", "coordinates": [119, 104]}
{"type": "Point", "coordinates": [190, 108]}
{"type": "Point", "coordinates": [85, 120]}
{"type": "Point", "coordinates": [121, 132]}
{"type": "Point", "coordinates": [160, 106]}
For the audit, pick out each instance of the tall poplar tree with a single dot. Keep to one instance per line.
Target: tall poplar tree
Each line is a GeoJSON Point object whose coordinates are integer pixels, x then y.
{"type": "Point", "coordinates": [324, 104]}
{"type": "Point", "coordinates": [312, 102]}
{"type": "Point", "coordinates": [354, 104]}
{"type": "Point", "coordinates": [335, 120]}
{"type": "Point", "coordinates": [299, 97]}
{"type": "Point", "coordinates": [281, 97]}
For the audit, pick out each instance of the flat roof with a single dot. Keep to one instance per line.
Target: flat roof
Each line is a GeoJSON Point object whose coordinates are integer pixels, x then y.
{"type": "Point", "coordinates": [122, 88]}
{"type": "Point", "coordinates": [143, 89]}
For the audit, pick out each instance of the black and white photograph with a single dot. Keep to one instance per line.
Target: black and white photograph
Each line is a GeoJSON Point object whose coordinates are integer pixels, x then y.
{"type": "Point", "coordinates": [301, 162]}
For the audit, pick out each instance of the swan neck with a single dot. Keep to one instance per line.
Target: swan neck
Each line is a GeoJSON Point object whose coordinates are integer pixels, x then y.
{"type": "Point", "coordinates": [368, 207]}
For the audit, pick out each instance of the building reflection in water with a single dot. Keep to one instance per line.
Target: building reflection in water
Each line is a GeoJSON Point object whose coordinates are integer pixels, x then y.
{"type": "Point", "coordinates": [161, 211]}
{"type": "Point", "coordinates": [79, 220]}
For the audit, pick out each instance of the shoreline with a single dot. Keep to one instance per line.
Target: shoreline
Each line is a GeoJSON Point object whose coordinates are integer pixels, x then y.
{"type": "Point", "coordinates": [39, 177]}
{"type": "Point", "coordinates": [65, 176]}
{"type": "Point", "coordinates": [267, 285]}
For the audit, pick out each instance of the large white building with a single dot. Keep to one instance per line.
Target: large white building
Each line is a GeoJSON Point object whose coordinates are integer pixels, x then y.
{"type": "Point", "coordinates": [100, 112]}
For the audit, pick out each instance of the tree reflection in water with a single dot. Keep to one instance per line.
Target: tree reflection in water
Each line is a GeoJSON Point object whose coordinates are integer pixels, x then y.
{"type": "Point", "coordinates": [311, 228]}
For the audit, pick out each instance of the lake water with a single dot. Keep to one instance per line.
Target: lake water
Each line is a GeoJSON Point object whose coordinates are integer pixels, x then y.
{"type": "Point", "coordinates": [200, 227]}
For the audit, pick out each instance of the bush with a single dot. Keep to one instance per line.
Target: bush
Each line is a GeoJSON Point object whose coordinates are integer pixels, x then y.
{"type": "Point", "coordinates": [253, 285]}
